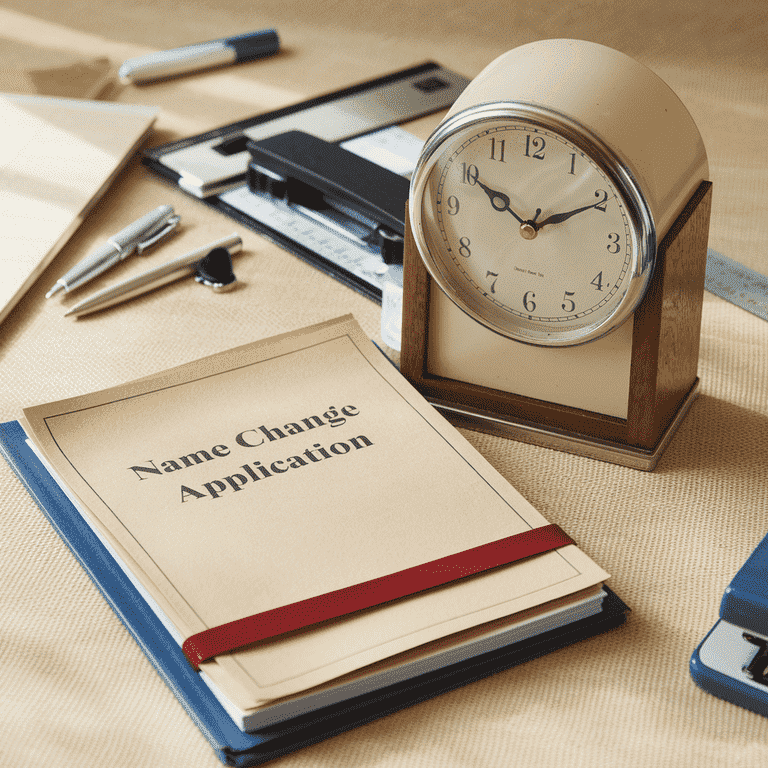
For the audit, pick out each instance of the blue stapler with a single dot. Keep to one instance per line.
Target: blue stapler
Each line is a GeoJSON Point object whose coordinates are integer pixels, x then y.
{"type": "Point", "coordinates": [732, 660]}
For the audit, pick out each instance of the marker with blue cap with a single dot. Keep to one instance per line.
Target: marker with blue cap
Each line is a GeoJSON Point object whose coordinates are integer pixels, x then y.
{"type": "Point", "coordinates": [193, 58]}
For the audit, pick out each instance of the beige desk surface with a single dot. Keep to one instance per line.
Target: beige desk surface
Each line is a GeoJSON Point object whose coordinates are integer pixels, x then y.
{"type": "Point", "coordinates": [76, 692]}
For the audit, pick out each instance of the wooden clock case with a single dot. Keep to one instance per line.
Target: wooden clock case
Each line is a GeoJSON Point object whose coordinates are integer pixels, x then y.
{"type": "Point", "coordinates": [663, 379]}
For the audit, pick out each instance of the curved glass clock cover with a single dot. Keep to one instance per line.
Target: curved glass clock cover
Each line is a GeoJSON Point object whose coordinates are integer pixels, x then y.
{"type": "Point", "coordinates": [531, 225]}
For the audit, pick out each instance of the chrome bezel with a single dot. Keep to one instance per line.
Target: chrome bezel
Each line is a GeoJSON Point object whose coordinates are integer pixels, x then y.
{"type": "Point", "coordinates": [610, 162]}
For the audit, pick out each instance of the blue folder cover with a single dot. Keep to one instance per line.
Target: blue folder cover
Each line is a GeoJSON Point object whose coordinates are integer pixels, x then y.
{"type": "Point", "coordinates": [745, 605]}
{"type": "Point", "coordinates": [233, 746]}
{"type": "Point", "coordinates": [745, 602]}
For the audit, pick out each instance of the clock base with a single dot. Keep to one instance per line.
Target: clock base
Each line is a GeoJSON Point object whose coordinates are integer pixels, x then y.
{"type": "Point", "coordinates": [535, 434]}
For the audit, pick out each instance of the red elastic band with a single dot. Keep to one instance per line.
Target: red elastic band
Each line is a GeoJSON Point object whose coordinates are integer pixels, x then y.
{"type": "Point", "coordinates": [233, 635]}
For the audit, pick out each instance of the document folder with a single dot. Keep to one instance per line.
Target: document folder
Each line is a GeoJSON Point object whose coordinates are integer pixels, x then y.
{"type": "Point", "coordinates": [233, 746]}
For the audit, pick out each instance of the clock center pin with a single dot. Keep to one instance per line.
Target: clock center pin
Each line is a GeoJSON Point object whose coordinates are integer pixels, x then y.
{"type": "Point", "coordinates": [528, 230]}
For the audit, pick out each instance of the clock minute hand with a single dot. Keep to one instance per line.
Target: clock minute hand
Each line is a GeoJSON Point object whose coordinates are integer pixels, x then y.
{"type": "Point", "coordinates": [557, 218]}
{"type": "Point", "coordinates": [493, 196]}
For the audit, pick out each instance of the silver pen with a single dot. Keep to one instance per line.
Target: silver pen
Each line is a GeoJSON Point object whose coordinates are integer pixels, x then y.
{"type": "Point", "coordinates": [182, 266]}
{"type": "Point", "coordinates": [136, 237]}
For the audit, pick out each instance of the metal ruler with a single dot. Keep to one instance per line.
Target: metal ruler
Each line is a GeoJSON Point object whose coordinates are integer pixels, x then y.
{"type": "Point", "coordinates": [736, 283]}
{"type": "Point", "coordinates": [725, 277]}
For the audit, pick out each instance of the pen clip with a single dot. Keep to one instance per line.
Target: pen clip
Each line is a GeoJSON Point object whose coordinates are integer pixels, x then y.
{"type": "Point", "coordinates": [154, 235]}
{"type": "Point", "coordinates": [214, 270]}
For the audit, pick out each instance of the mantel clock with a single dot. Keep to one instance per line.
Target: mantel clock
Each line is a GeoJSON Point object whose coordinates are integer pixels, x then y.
{"type": "Point", "coordinates": [555, 253]}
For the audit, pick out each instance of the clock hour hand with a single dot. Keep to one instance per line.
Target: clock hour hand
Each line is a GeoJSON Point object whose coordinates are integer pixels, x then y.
{"type": "Point", "coordinates": [499, 200]}
{"type": "Point", "coordinates": [557, 218]}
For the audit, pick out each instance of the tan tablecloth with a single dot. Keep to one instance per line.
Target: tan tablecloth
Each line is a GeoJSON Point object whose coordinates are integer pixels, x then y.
{"type": "Point", "coordinates": [76, 692]}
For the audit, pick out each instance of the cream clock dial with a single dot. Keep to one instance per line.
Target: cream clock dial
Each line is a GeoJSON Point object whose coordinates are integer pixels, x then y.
{"type": "Point", "coordinates": [523, 225]}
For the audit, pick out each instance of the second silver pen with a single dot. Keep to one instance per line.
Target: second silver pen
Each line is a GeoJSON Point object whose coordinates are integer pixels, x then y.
{"type": "Point", "coordinates": [182, 266]}
{"type": "Point", "coordinates": [136, 237]}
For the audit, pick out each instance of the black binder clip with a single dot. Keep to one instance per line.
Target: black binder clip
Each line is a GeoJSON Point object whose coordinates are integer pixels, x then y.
{"type": "Point", "coordinates": [215, 271]}
{"type": "Point", "coordinates": [345, 189]}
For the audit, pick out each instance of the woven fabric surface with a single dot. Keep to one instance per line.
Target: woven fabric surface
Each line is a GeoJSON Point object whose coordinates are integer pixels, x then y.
{"type": "Point", "coordinates": [76, 691]}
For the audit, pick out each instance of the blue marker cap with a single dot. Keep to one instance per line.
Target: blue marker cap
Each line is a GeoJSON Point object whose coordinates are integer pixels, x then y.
{"type": "Point", "coordinates": [254, 45]}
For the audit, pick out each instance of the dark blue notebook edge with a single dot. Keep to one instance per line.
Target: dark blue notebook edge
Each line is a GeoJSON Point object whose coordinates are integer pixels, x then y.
{"type": "Point", "coordinates": [131, 608]}
{"type": "Point", "coordinates": [745, 600]}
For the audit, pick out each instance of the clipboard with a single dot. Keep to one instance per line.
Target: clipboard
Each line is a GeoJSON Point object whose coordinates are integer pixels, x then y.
{"type": "Point", "coordinates": [360, 121]}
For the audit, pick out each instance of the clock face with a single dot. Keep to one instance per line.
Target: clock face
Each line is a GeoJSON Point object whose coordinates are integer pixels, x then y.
{"type": "Point", "coordinates": [528, 230]}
